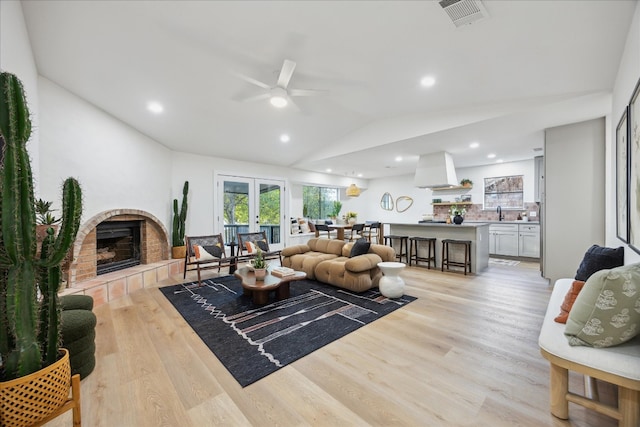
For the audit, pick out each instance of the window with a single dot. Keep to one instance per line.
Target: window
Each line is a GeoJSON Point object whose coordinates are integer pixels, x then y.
{"type": "Point", "coordinates": [503, 191]}
{"type": "Point", "coordinates": [317, 202]}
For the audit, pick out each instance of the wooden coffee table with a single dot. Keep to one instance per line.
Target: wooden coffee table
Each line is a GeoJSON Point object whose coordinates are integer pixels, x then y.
{"type": "Point", "coordinates": [259, 289]}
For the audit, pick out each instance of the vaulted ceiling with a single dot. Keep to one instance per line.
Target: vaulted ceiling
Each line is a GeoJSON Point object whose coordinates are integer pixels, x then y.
{"type": "Point", "coordinates": [500, 81]}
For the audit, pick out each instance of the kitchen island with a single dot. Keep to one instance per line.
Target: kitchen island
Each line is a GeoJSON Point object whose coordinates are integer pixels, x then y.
{"type": "Point", "coordinates": [477, 233]}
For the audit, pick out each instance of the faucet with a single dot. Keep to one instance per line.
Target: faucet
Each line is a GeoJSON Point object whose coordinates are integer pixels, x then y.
{"type": "Point", "coordinates": [500, 216]}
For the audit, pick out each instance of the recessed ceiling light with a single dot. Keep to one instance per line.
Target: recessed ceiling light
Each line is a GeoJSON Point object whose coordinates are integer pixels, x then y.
{"type": "Point", "coordinates": [285, 138]}
{"type": "Point", "coordinates": [474, 145]}
{"type": "Point", "coordinates": [499, 161]}
{"type": "Point", "coordinates": [427, 81]}
{"type": "Point", "coordinates": [329, 170]}
{"type": "Point", "coordinates": [491, 156]}
{"type": "Point", "coordinates": [278, 101]}
{"type": "Point", "coordinates": [399, 159]}
{"type": "Point", "coordinates": [155, 107]}
{"type": "Point", "coordinates": [359, 175]}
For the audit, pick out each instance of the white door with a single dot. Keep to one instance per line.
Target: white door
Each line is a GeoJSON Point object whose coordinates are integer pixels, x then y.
{"type": "Point", "coordinates": [248, 205]}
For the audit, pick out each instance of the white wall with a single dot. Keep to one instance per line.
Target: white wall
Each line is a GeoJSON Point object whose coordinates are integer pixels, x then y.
{"type": "Point", "coordinates": [628, 75]}
{"type": "Point", "coordinates": [574, 211]}
{"type": "Point", "coordinates": [16, 57]}
{"type": "Point", "coordinates": [117, 166]}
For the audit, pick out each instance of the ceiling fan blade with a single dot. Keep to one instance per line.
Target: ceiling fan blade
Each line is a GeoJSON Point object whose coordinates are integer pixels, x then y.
{"type": "Point", "coordinates": [286, 72]}
{"type": "Point", "coordinates": [253, 81]}
{"type": "Point", "coordinates": [307, 92]}
{"type": "Point", "coordinates": [293, 105]}
{"type": "Point", "coordinates": [256, 98]}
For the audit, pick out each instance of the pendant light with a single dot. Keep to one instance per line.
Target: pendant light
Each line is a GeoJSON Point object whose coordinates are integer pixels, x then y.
{"type": "Point", "coordinates": [353, 190]}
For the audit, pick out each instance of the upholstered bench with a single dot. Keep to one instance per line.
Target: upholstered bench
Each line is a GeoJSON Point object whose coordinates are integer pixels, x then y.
{"type": "Point", "coordinates": [618, 365]}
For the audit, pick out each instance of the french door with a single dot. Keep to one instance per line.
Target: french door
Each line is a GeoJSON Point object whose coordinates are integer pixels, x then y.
{"type": "Point", "coordinates": [247, 205]}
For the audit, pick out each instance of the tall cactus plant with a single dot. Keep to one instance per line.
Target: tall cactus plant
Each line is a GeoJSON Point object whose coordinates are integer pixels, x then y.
{"type": "Point", "coordinates": [28, 326]}
{"type": "Point", "coordinates": [180, 217]}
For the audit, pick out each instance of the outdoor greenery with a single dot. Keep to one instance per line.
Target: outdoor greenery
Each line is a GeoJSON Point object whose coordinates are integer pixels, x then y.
{"type": "Point", "coordinates": [318, 202]}
{"type": "Point", "coordinates": [236, 206]}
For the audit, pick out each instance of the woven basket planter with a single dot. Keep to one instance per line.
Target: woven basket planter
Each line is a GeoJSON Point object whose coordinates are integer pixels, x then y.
{"type": "Point", "coordinates": [30, 399]}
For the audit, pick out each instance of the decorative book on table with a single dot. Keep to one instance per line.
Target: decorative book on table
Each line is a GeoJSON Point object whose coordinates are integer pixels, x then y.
{"type": "Point", "coordinates": [283, 271]}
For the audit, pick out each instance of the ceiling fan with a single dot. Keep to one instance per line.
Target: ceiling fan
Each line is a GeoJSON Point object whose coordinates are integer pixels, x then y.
{"type": "Point", "coordinates": [280, 95]}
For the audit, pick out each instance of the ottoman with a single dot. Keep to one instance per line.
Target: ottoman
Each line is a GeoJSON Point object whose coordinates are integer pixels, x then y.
{"type": "Point", "coordinates": [78, 333]}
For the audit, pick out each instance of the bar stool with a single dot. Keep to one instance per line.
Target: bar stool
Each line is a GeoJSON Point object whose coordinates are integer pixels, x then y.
{"type": "Point", "coordinates": [404, 246]}
{"type": "Point", "coordinates": [414, 243]}
{"type": "Point", "coordinates": [467, 254]}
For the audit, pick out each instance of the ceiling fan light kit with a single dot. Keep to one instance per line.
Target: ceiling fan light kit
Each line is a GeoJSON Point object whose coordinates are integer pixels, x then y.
{"type": "Point", "coordinates": [280, 95]}
{"type": "Point", "coordinates": [278, 101]}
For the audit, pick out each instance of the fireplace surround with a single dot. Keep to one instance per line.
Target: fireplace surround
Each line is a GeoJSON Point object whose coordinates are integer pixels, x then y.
{"type": "Point", "coordinates": [153, 241]}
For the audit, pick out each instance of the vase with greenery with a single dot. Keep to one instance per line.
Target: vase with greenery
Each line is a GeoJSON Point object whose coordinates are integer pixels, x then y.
{"type": "Point", "coordinates": [466, 182]}
{"type": "Point", "coordinates": [337, 207]}
{"type": "Point", "coordinates": [178, 249]}
{"type": "Point", "coordinates": [29, 311]}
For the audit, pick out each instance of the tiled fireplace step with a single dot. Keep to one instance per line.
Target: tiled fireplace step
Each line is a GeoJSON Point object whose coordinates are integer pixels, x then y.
{"type": "Point", "coordinates": [107, 287]}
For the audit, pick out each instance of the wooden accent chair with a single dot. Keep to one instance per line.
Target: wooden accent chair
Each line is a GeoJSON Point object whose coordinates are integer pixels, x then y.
{"type": "Point", "coordinates": [373, 232]}
{"type": "Point", "coordinates": [357, 231]}
{"type": "Point", "coordinates": [215, 257]}
{"type": "Point", "coordinates": [248, 241]}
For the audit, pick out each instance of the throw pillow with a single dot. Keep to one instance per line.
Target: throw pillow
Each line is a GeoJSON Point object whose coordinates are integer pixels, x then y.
{"type": "Point", "coordinates": [295, 227]}
{"type": "Point", "coordinates": [251, 248]}
{"type": "Point", "coordinates": [599, 258]}
{"type": "Point", "coordinates": [262, 244]}
{"type": "Point", "coordinates": [360, 247]}
{"type": "Point", "coordinates": [607, 310]}
{"type": "Point", "coordinates": [215, 250]}
{"type": "Point", "coordinates": [569, 299]}
{"type": "Point", "coordinates": [304, 226]}
{"type": "Point", "coordinates": [202, 254]}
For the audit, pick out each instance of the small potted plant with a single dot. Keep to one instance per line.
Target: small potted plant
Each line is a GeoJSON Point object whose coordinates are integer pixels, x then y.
{"type": "Point", "coordinates": [45, 219]}
{"type": "Point", "coordinates": [466, 182]}
{"type": "Point", "coordinates": [259, 265]}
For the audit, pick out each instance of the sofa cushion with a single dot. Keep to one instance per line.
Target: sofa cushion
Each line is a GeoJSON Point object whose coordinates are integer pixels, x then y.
{"type": "Point", "coordinates": [599, 258]}
{"type": "Point", "coordinates": [328, 246]}
{"type": "Point", "coordinates": [607, 310]}
{"type": "Point", "coordinates": [360, 247]}
{"type": "Point", "coordinates": [569, 299]}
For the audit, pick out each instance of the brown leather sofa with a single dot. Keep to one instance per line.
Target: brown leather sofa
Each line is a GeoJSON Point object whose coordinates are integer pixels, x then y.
{"type": "Point", "coordinates": [327, 260]}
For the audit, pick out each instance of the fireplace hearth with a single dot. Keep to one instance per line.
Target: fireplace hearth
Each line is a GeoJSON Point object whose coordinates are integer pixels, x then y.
{"type": "Point", "coordinates": [117, 245]}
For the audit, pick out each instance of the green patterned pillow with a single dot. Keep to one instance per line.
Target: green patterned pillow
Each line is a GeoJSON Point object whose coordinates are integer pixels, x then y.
{"type": "Point", "coordinates": [607, 310]}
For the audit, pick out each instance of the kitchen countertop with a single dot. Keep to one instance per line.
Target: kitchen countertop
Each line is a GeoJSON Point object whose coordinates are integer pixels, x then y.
{"type": "Point", "coordinates": [503, 222]}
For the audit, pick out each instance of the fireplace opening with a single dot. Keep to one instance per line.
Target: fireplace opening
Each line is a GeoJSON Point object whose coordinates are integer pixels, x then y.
{"type": "Point", "coordinates": [117, 245]}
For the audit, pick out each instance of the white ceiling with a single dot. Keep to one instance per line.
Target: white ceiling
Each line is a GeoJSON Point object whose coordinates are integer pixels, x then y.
{"type": "Point", "coordinates": [500, 81]}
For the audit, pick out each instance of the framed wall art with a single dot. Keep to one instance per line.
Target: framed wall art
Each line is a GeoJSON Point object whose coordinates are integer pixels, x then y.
{"type": "Point", "coordinates": [622, 178]}
{"type": "Point", "coordinates": [634, 169]}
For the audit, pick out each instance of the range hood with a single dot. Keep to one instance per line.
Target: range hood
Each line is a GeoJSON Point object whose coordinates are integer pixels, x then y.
{"type": "Point", "coordinates": [435, 170]}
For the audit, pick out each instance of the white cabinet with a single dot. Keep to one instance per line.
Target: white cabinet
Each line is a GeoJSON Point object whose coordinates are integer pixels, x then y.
{"type": "Point", "coordinates": [529, 240]}
{"type": "Point", "coordinates": [515, 240]}
{"type": "Point", "coordinates": [503, 239]}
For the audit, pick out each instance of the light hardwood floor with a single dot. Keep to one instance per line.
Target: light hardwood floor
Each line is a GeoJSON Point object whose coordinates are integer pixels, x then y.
{"type": "Point", "coordinates": [464, 353]}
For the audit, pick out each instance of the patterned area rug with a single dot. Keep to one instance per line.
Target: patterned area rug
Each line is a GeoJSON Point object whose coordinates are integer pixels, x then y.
{"type": "Point", "coordinates": [503, 262]}
{"type": "Point", "coordinates": [254, 341]}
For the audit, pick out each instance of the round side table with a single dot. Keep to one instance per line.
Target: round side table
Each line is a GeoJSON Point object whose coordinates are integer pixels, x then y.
{"type": "Point", "coordinates": [391, 284]}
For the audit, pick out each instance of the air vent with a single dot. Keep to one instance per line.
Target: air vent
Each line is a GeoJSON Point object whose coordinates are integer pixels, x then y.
{"type": "Point", "coordinates": [464, 12]}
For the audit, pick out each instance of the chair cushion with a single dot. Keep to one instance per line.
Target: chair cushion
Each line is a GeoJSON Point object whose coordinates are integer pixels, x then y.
{"type": "Point", "coordinates": [607, 310]}
{"type": "Point", "coordinates": [599, 258]}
